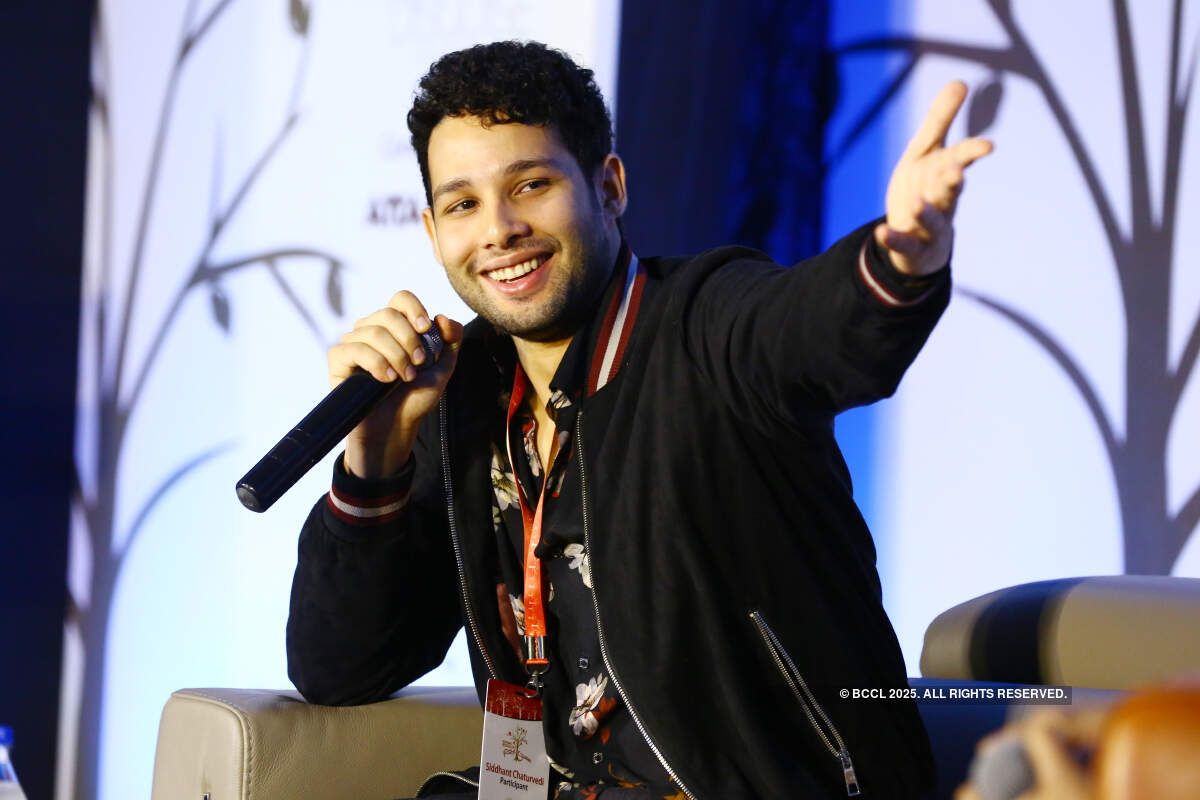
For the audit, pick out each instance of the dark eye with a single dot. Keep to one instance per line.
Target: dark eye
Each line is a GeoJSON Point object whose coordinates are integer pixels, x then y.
{"type": "Point", "coordinates": [461, 205]}
{"type": "Point", "coordinates": [536, 183]}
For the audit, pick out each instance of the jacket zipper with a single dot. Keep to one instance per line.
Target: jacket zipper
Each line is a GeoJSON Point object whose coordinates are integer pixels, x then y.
{"type": "Point", "coordinates": [604, 657]}
{"type": "Point", "coordinates": [837, 747]}
{"type": "Point", "coordinates": [453, 775]}
{"type": "Point", "coordinates": [472, 624]}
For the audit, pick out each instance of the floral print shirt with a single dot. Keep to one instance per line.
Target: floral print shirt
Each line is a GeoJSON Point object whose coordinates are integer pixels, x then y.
{"type": "Point", "coordinates": [591, 739]}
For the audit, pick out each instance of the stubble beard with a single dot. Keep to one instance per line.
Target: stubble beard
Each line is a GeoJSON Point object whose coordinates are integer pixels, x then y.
{"type": "Point", "coordinates": [564, 305]}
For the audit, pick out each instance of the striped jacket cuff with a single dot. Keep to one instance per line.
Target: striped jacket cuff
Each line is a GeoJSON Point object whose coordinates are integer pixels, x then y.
{"type": "Point", "coordinates": [368, 502]}
{"type": "Point", "coordinates": [889, 285]}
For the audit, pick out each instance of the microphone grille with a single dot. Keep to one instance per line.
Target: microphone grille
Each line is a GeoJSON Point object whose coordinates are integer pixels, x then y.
{"type": "Point", "coordinates": [431, 341]}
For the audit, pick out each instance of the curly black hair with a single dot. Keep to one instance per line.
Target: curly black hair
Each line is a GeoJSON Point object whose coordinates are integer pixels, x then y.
{"type": "Point", "coordinates": [524, 82]}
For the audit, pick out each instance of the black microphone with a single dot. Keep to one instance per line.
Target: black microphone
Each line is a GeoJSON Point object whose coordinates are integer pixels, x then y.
{"type": "Point", "coordinates": [326, 425]}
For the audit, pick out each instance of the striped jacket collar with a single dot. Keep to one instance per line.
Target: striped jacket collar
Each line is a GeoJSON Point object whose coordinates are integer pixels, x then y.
{"type": "Point", "coordinates": [595, 354]}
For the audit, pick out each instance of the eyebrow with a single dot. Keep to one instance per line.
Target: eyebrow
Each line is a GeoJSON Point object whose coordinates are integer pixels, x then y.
{"type": "Point", "coordinates": [454, 184]}
{"type": "Point", "coordinates": [450, 186]}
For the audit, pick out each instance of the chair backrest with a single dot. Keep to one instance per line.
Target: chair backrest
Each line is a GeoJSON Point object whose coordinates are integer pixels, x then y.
{"type": "Point", "coordinates": [1109, 632]}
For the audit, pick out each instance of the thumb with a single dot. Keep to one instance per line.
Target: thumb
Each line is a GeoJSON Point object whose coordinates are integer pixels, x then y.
{"type": "Point", "coordinates": [452, 332]}
{"type": "Point", "coordinates": [452, 339]}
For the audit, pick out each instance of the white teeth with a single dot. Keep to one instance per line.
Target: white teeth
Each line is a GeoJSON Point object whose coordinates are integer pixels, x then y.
{"type": "Point", "coordinates": [512, 273]}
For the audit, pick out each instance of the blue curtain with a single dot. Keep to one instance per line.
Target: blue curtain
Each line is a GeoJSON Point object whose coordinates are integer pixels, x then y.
{"type": "Point", "coordinates": [44, 142]}
{"type": "Point", "coordinates": [720, 118]}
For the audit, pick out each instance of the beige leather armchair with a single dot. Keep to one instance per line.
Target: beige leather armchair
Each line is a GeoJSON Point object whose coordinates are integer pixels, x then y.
{"type": "Point", "coordinates": [257, 744]}
{"type": "Point", "coordinates": [1108, 632]}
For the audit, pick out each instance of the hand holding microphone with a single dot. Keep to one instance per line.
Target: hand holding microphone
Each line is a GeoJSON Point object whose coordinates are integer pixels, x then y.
{"type": "Point", "coordinates": [390, 339]}
{"type": "Point", "coordinates": [386, 375]}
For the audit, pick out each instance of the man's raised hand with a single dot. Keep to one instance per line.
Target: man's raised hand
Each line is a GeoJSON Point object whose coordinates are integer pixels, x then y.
{"type": "Point", "coordinates": [924, 189]}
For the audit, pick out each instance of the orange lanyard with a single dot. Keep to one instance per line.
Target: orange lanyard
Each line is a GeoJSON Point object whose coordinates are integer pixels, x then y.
{"type": "Point", "coordinates": [536, 662]}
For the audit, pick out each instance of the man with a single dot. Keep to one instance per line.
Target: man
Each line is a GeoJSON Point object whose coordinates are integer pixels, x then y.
{"type": "Point", "coordinates": [642, 448]}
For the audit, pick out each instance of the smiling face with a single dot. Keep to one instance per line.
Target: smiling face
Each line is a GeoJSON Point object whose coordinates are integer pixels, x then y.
{"type": "Point", "coordinates": [527, 241]}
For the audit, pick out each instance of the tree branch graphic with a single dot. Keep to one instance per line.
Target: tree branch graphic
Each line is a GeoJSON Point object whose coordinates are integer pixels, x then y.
{"type": "Point", "coordinates": [1153, 536]}
{"type": "Point", "coordinates": [107, 362]}
{"type": "Point", "coordinates": [1063, 359]}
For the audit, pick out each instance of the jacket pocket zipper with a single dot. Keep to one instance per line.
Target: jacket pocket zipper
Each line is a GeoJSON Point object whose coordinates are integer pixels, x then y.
{"type": "Point", "coordinates": [812, 709]}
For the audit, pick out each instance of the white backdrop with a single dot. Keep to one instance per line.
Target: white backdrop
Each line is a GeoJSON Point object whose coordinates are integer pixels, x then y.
{"type": "Point", "coordinates": [325, 214]}
{"type": "Point", "coordinates": [989, 468]}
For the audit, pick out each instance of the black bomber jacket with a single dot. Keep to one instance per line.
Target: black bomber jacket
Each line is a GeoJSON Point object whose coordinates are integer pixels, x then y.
{"type": "Point", "coordinates": [725, 547]}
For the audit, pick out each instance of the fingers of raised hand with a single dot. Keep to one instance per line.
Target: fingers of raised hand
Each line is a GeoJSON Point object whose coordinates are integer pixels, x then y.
{"type": "Point", "coordinates": [943, 171]}
{"type": "Point", "coordinates": [942, 111]}
{"type": "Point", "coordinates": [942, 184]}
{"type": "Point", "coordinates": [968, 151]}
{"type": "Point", "coordinates": [936, 179]}
{"type": "Point", "coordinates": [929, 213]}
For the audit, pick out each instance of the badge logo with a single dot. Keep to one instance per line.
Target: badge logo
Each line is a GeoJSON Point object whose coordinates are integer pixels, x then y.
{"type": "Point", "coordinates": [512, 745]}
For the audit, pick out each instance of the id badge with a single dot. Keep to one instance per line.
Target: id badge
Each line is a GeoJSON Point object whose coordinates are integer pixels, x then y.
{"type": "Point", "coordinates": [513, 763]}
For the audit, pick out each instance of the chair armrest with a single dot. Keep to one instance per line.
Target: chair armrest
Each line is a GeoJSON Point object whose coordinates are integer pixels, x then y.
{"type": "Point", "coordinates": [1112, 632]}
{"type": "Point", "coordinates": [260, 744]}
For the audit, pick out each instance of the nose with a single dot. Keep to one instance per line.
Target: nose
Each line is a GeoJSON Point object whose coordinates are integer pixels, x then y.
{"type": "Point", "coordinates": [506, 226]}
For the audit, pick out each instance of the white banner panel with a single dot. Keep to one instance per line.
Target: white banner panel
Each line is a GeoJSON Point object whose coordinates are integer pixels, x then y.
{"type": "Point", "coordinates": [1048, 428]}
{"type": "Point", "coordinates": [251, 193]}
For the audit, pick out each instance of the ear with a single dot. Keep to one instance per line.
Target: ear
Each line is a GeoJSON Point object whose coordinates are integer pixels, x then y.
{"type": "Point", "coordinates": [610, 186]}
{"type": "Point", "coordinates": [431, 232]}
